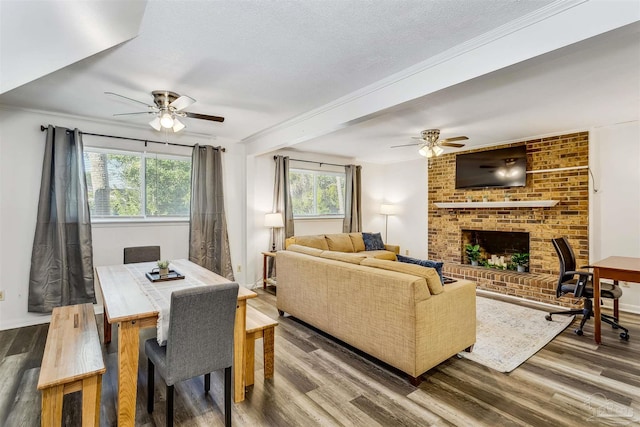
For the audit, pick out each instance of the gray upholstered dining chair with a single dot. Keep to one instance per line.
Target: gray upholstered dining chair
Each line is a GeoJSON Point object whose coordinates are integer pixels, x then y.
{"type": "Point", "coordinates": [141, 254]}
{"type": "Point", "coordinates": [199, 341]}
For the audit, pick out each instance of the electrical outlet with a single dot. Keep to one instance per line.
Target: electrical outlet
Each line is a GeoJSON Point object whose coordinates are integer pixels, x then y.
{"type": "Point", "coordinates": [624, 284]}
{"type": "Point", "coordinates": [1, 295]}
{"type": "Point", "coordinates": [406, 252]}
{"type": "Point", "coordinates": [239, 268]}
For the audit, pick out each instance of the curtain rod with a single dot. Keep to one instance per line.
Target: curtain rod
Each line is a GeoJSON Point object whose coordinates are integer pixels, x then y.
{"type": "Point", "coordinates": [43, 128]}
{"type": "Point", "coordinates": [311, 161]}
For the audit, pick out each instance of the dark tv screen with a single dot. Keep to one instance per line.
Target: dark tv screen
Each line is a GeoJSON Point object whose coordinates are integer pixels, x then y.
{"type": "Point", "coordinates": [504, 167]}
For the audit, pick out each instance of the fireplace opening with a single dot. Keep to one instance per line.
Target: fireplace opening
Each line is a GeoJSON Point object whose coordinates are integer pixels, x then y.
{"type": "Point", "coordinates": [496, 247]}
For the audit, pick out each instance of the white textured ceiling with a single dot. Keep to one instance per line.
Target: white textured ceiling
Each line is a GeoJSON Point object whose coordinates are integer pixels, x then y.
{"type": "Point", "coordinates": [261, 63]}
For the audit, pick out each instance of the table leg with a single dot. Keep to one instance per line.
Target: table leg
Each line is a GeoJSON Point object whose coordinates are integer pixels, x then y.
{"type": "Point", "coordinates": [239, 339]}
{"type": "Point", "coordinates": [52, 406]}
{"type": "Point", "coordinates": [264, 272]}
{"type": "Point", "coordinates": [596, 305]}
{"type": "Point", "coordinates": [128, 342]}
{"type": "Point", "coordinates": [106, 326]}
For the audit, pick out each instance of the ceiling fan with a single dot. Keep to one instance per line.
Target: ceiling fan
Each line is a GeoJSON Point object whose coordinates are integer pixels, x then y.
{"type": "Point", "coordinates": [168, 108]}
{"type": "Point", "coordinates": [430, 145]}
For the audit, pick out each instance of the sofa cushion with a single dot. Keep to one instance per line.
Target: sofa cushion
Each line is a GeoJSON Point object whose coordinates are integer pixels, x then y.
{"type": "Point", "coordinates": [339, 242]}
{"type": "Point", "coordinates": [388, 255]}
{"type": "Point", "coordinates": [313, 241]}
{"type": "Point", "coordinates": [305, 250]}
{"type": "Point", "coordinates": [425, 263]}
{"type": "Point", "coordinates": [429, 274]}
{"type": "Point", "coordinates": [372, 241]}
{"type": "Point", "coordinates": [343, 256]}
{"type": "Point", "coordinates": [357, 242]}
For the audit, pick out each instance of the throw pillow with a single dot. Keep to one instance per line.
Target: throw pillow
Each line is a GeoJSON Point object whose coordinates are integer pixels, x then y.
{"type": "Point", "coordinates": [425, 263]}
{"type": "Point", "coordinates": [372, 241]}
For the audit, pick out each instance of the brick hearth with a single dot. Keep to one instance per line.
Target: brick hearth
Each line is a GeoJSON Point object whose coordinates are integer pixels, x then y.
{"type": "Point", "coordinates": [568, 218]}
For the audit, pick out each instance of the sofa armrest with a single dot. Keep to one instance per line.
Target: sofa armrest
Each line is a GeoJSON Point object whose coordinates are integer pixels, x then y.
{"type": "Point", "coordinates": [393, 248]}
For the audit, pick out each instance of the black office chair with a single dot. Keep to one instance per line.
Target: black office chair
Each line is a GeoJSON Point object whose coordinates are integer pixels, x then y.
{"type": "Point", "coordinates": [582, 287]}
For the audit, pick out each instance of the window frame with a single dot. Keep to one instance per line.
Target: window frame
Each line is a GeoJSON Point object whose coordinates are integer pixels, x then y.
{"type": "Point", "coordinates": [315, 173]}
{"type": "Point", "coordinates": [144, 218]}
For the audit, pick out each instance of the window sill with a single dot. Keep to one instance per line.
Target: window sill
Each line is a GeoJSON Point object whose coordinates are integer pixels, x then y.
{"type": "Point", "coordinates": [137, 222]}
{"type": "Point", "coordinates": [318, 218]}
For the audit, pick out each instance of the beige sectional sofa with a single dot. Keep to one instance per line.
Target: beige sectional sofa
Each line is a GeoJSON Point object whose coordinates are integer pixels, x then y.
{"type": "Point", "coordinates": [399, 313]}
{"type": "Point", "coordinates": [343, 242]}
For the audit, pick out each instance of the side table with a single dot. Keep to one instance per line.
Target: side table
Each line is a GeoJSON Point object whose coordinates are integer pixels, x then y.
{"type": "Point", "coordinates": [265, 269]}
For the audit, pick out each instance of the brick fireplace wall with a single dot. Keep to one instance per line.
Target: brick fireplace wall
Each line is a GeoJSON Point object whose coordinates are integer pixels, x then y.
{"type": "Point", "coordinates": [568, 218]}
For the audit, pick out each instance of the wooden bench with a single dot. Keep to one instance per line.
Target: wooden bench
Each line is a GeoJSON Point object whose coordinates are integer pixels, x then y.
{"type": "Point", "coordinates": [259, 326]}
{"type": "Point", "coordinates": [72, 362]}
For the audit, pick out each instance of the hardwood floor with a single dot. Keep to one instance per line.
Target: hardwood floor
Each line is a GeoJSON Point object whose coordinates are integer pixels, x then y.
{"type": "Point", "coordinates": [323, 383]}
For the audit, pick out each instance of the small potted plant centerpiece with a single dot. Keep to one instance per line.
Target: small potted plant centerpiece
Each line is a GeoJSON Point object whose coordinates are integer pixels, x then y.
{"type": "Point", "coordinates": [473, 253]}
{"type": "Point", "coordinates": [163, 266]}
{"type": "Point", "coordinates": [521, 260]}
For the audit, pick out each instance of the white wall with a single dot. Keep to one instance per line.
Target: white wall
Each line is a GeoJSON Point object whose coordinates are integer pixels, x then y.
{"type": "Point", "coordinates": [404, 185]}
{"type": "Point", "coordinates": [21, 151]}
{"type": "Point", "coordinates": [615, 207]}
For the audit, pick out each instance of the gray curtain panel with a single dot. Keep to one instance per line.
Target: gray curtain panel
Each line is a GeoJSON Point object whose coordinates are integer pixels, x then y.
{"type": "Point", "coordinates": [62, 258]}
{"type": "Point", "coordinates": [282, 201]}
{"type": "Point", "coordinates": [353, 199]}
{"type": "Point", "coordinates": [208, 239]}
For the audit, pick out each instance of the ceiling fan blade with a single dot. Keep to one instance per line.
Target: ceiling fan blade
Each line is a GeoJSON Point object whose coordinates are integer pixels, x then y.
{"type": "Point", "coordinates": [455, 138]}
{"type": "Point", "coordinates": [182, 102]}
{"type": "Point", "coordinates": [130, 99]}
{"type": "Point", "coordinates": [406, 145]}
{"type": "Point", "coordinates": [204, 117]}
{"type": "Point", "coordinates": [418, 137]}
{"type": "Point", "coordinates": [129, 114]}
{"type": "Point", "coordinates": [444, 143]}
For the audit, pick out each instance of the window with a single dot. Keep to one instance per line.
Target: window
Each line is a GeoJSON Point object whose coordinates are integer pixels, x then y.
{"type": "Point", "coordinates": [315, 193]}
{"type": "Point", "coordinates": [123, 184]}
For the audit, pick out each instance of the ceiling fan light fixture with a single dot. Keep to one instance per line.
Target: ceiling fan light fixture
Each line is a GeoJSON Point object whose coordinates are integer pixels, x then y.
{"type": "Point", "coordinates": [177, 125]}
{"type": "Point", "coordinates": [166, 120]}
{"type": "Point", "coordinates": [155, 123]}
{"type": "Point", "coordinates": [425, 151]}
{"type": "Point", "coordinates": [437, 150]}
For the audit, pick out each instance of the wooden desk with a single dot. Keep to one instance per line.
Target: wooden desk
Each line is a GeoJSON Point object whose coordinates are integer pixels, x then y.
{"type": "Point", "coordinates": [265, 267]}
{"type": "Point", "coordinates": [130, 308]}
{"type": "Point", "coordinates": [616, 268]}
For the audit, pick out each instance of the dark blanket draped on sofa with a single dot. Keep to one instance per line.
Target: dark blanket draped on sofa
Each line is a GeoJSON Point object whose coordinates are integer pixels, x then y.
{"type": "Point", "coordinates": [62, 259]}
{"type": "Point", "coordinates": [208, 239]}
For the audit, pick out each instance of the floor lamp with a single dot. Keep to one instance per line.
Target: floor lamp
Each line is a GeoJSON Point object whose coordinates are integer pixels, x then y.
{"type": "Point", "coordinates": [386, 210]}
{"type": "Point", "coordinates": [273, 220]}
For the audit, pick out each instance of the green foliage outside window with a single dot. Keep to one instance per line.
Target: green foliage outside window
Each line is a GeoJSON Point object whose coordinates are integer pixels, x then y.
{"type": "Point", "coordinates": [315, 193]}
{"type": "Point", "coordinates": [118, 184]}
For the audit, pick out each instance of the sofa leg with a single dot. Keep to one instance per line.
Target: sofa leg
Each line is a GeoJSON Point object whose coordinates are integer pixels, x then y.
{"type": "Point", "coordinates": [415, 381]}
{"type": "Point", "coordinates": [469, 349]}
{"type": "Point", "coordinates": [280, 313]}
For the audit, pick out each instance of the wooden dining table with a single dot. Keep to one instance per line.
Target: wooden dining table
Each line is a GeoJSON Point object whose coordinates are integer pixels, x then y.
{"type": "Point", "coordinates": [128, 306]}
{"type": "Point", "coordinates": [616, 268]}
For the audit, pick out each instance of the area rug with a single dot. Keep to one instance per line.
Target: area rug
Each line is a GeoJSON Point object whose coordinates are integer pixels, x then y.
{"type": "Point", "coordinates": [509, 334]}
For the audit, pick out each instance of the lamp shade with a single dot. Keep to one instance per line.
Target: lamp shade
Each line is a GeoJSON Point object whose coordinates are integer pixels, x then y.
{"type": "Point", "coordinates": [273, 220]}
{"type": "Point", "coordinates": [388, 209]}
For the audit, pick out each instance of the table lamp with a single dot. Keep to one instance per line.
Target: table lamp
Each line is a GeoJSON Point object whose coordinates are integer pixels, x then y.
{"type": "Point", "coordinates": [273, 220]}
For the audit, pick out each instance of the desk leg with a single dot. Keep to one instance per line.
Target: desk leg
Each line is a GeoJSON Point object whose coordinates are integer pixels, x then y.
{"type": "Point", "coordinates": [596, 305]}
{"type": "Point", "coordinates": [128, 343]}
{"type": "Point", "coordinates": [239, 339]}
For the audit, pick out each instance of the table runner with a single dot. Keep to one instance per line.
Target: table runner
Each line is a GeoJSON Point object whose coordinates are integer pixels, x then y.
{"type": "Point", "coordinates": [159, 293]}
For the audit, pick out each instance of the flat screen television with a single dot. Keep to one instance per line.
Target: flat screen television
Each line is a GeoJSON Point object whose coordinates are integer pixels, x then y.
{"type": "Point", "coordinates": [504, 167]}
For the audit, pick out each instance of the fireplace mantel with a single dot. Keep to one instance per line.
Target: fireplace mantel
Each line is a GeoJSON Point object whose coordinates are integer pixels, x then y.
{"type": "Point", "coordinates": [514, 204]}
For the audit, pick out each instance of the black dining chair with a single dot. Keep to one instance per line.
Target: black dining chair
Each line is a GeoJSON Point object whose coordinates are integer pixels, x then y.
{"type": "Point", "coordinates": [199, 341]}
{"type": "Point", "coordinates": [579, 285]}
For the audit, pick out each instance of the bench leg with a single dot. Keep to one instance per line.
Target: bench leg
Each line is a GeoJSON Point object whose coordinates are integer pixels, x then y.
{"type": "Point", "coordinates": [249, 359]}
{"type": "Point", "coordinates": [91, 389]}
{"type": "Point", "coordinates": [52, 406]}
{"type": "Point", "coordinates": [268, 344]}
